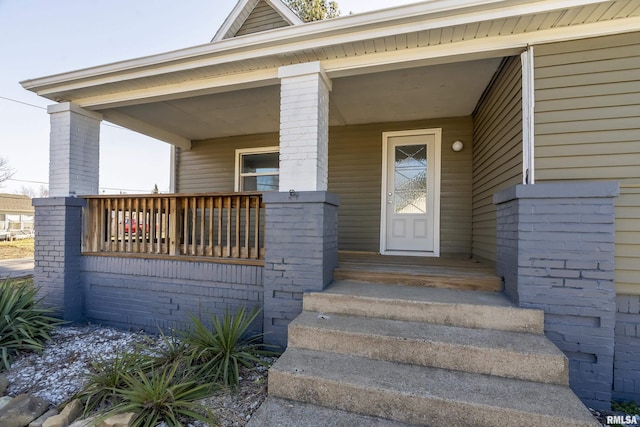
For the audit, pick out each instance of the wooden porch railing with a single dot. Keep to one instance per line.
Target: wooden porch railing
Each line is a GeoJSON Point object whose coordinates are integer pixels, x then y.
{"type": "Point", "coordinates": [222, 225]}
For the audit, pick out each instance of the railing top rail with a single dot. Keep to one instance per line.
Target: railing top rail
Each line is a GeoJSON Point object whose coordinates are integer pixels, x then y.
{"type": "Point", "coordinates": [166, 195]}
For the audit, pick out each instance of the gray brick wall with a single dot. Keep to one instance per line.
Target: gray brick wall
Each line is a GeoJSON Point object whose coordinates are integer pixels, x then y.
{"type": "Point", "coordinates": [555, 250]}
{"type": "Point", "coordinates": [626, 365]}
{"type": "Point", "coordinates": [158, 293]}
{"type": "Point", "coordinates": [301, 240]}
{"type": "Point", "coordinates": [58, 225]}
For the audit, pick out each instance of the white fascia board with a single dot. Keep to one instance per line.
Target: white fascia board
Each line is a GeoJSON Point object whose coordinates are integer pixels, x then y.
{"type": "Point", "coordinates": [467, 50]}
{"type": "Point", "coordinates": [233, 17]}
{"type": "Point", "coordinates": [134, 124]}
{"type": "Point", "coordinates": [471, 49]}
{"type": "Point", "coordinates": [285, 12]}
{"type": "Point", "coordinates": [350, 28]}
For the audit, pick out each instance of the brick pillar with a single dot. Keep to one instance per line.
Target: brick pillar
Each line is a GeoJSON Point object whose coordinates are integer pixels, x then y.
{"type": "Point", "coordinates": [304, 127]}
{"type": "Point", "coordinates": [555, 250]}
{"type": "Point", "coordinates": [73, 150]}
{"type": "Point", "coordinates": [73, 170]}
{"type": "Point", "coordinates": [58, 225]}
{"type": "Point", "coordinates": [301, 240]}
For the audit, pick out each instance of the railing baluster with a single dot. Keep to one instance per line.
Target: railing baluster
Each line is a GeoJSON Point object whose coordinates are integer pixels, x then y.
{"type": "Point", "coordinates": [200, 225]}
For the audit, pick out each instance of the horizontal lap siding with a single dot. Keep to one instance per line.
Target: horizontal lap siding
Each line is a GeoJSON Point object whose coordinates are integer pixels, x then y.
{"type": "Point", "coordinates": [355, 174]}
{"type": "Point", "coordinates": [210, 165]}
{"type": "Point", "coordinates": [588, 128]}
{"type": "Point", "coordinates": [628, 240]}
{"type": "Point", "coordinates": [355, 167]}
{"type": "Point", "coordinates": [262, 18]}
{"type": "Point", "coordinates": [497, 152]}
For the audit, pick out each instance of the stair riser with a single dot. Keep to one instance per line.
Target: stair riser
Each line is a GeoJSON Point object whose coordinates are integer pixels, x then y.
{"type": "Point", "coordinates": [401, 407]}
{"type": "Point", "coordinates": [462, 315]}
{"type": "Point", "coordinates": [448, 282]}
{"type": "Point", "coordinates": [504, 363]}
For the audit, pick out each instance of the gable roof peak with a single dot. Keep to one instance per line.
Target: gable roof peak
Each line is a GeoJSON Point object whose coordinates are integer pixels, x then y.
{"type": "Point", "coordinates": [243, 9]}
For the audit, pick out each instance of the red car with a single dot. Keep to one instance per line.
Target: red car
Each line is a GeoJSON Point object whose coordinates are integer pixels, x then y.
{"type": "Point", "coordinates": [134, 226]}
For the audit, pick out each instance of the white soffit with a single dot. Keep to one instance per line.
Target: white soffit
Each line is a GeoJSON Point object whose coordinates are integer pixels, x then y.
{"type": "Point", "coordinates": [397, 35]}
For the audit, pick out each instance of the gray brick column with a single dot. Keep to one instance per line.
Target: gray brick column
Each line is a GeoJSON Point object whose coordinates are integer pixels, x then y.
{"type": "Point", "coordinates": [73, 170]}
{"type": "Point", "coordinates": [555, 250]}
{"type": "Point", "coordinates": [58, 225]}
{"type": "Point", "coordinates": [301, 239]}
{"type": "Point", "coordinates": [626, 372]}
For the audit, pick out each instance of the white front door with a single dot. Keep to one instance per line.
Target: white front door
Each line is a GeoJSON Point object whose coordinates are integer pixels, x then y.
{"type": "Point", "coordinates": [411, 193]}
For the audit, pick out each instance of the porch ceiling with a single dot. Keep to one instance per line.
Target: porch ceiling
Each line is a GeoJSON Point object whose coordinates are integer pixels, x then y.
{"type": "Point", "coordinates": [448, 90]}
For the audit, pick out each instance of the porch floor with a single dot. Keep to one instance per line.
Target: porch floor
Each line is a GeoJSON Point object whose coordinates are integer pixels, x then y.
{"type": "Point", "coordinates": [442, 272]}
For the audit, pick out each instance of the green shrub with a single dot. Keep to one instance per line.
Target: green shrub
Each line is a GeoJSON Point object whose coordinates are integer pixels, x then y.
{"type": "Point", "coordinates": [219, 353]}
{"type": "Point", "coordinates": [24, 323]}
{"type": "Point", "coordinates": [160, 395]}
{"type": "Point", "coordinates": [108, 376]}
{"type": "Point", "coordinates": [630, 408]}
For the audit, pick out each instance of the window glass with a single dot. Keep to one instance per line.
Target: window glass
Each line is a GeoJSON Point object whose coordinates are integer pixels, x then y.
{"type": "Point", "coordinates": [258, 171]}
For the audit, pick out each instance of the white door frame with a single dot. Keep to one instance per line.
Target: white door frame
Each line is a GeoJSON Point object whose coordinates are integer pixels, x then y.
{"type": "Point", "coordinates": [437, 133]}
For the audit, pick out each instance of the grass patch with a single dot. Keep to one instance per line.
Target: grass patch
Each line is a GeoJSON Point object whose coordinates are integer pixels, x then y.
{"type": "Point", "coordinates": [17, 249]}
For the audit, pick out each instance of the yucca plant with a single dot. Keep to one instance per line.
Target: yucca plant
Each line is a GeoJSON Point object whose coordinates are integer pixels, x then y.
{"type": "Point", "coordinates": [24, 323]}
{"type": "Point", "coordinates": [219, 353]}
{"type": "Point", "coordinates": [106, 376]}
{"type": "Point", "coordinates": [160, 395]}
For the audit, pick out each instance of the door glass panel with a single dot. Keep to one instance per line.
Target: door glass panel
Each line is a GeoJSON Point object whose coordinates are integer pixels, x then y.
{"type": "Point", "coordinates": [410, 179]}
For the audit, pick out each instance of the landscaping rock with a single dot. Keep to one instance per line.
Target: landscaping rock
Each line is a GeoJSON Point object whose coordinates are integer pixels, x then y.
{"type": "Point", "coordinates": [22, 410]}
{"type": "Point", "coordinates": [68, 415]}
{"type": "Point", "coordinates": [4, 383]}
{"type": "Point", "coordinates": [120, 420]}
{"type": "Point", "coordinates": [44, 417]}
{"type": "Point", "coordinates": [4, 400]}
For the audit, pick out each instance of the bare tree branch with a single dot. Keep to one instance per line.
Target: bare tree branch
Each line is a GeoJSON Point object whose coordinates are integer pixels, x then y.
{"type": "Point", "coordinates": [6, 172]}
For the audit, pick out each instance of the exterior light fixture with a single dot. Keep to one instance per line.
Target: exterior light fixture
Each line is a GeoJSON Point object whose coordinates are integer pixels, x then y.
{"type": "Point", "coordinates": [457, 146]}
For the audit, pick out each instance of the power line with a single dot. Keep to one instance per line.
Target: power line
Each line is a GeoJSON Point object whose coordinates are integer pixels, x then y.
{"type": "Point", "coordinates": [44, 108]}
{"type": "Point", "coordinates": [23, 103]}
{"type": "Point", "coordinates": [129, 190]}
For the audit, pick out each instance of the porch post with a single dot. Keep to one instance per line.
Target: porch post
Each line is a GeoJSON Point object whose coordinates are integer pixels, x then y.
{"type": "Point", "coordinates": [555, 250]}
{"type": "Point", "coordinates": [301, 236]}
{"type": "Point", "coordinates": [73, 170]}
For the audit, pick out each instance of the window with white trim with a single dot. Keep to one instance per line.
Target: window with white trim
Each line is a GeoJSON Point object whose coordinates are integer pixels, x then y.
{"type": "Point", "coordinates": [257, 169]}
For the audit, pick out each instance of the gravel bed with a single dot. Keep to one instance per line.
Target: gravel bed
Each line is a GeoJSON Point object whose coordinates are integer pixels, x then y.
{"type": "Point", "coordinates": [58, 373]}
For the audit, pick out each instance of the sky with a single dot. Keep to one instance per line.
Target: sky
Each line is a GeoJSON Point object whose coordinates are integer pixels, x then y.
{"type": "Point", "coordinates": [43, 37]}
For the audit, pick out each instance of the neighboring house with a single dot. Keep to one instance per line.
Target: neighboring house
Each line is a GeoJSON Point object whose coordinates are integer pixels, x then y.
{"type": "Point", "coordinates": [16, 212]}
{"type": "Point", "coordinates": [354, 121]}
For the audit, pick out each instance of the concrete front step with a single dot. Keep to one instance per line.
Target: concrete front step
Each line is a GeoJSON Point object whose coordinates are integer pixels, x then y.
{"type": "Point", "coordinates": [421, 395]}
{"type": "Point", "coordinates": [468, 309]}
{"type": "Point", "coordinates": [467, 282]}
{"type": "Point", "coordinates": [507, 354]}
{"type": "Point", "coordinates": [287, 413]}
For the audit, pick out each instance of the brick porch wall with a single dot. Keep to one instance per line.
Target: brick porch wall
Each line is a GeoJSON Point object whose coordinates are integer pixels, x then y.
{"type": "Point", "coordinates": [555, 251]}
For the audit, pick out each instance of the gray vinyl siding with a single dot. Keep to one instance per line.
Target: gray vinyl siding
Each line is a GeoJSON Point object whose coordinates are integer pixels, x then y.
{"type": "Point", "coordinates": [355, 168]}
{"type": "Point", "coordinates": [627, 249]}
{"type": "Point", "coordinates": [262, 18]}
{"type": "Point", "coordinates": [210, 165]}
{"type": "Point", "coordinates": [588, 128]}
{"type": "Point", "coordinates": [497, 152]}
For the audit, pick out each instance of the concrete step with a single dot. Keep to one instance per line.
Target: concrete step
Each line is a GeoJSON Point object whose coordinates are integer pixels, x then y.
{"type": "Point", "coordinates": [480, 282]}
{"type": "Point", "coordinates": [468, 309]}
{"type": "Point", "coordinates": [421, 395]}
{"type": "Point", "coordinates": [276, 412]}
{"type": "Point", "coordinates": [507, 354]}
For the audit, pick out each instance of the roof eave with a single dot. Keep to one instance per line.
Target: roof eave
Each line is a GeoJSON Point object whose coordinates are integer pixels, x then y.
{"type": "Point", "coordinates": [371, 21]}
